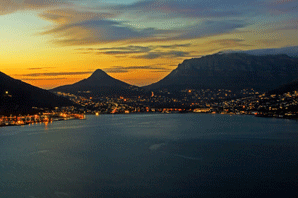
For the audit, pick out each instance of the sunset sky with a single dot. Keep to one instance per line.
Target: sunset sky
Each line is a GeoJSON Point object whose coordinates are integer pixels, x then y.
{"type": "Point", "coordinates": [48, 43]}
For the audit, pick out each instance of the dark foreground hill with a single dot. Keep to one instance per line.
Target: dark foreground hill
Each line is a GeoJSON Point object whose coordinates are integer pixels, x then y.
{"type": "Point", "coordinates": [99, 84]}
{"type": "Point", "coordinates": [19, 97]}
{"type": "Point", "coordinates": [234, 71]}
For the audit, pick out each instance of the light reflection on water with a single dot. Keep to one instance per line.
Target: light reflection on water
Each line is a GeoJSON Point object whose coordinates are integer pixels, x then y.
{"type": "Point", "coordinates": [150, 155]}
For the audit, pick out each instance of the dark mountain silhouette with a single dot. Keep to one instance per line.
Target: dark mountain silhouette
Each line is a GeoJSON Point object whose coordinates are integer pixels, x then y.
{"type": "Point", "coordinates": [19, 97]}
{"type": "Point", "coordinates": [234, 71]}
{"type": "Point", "coordinates": [289, 87]}
{"type": "Point", "coordinates": [101, 84]}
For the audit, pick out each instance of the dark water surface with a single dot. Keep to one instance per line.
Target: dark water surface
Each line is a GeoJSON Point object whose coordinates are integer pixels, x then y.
{"type": "Point", "coordinates": [151, 155]}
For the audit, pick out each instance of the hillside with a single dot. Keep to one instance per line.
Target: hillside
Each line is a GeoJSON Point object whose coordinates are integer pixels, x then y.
{"type": "Point", "coordinates": [99, 84]}
{"type": "Point", "coordinates": [289, 87]}
{"type": "Point", "coordinates": [234, 71]}
{"type": "Point", "coordinates": [19, 97]}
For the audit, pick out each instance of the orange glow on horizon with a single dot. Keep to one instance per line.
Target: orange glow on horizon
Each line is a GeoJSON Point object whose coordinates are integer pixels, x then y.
{"type": "Point", "coordinates": [49, 44]}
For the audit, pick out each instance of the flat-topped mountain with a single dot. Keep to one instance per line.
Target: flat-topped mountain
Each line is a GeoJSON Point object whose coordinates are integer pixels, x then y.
{"type": "Point", "coordinates": [99, 83]}
{"type": "Point", "coordinates": [234, 71]}
{"type": "Point", "coordinates": [19, 97]}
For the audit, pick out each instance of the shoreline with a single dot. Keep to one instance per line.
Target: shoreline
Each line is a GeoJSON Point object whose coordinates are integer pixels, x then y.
{"type": "Point", "coordinates": [35, 119]}
{"type": "Point", "coordinates": [83, 116]}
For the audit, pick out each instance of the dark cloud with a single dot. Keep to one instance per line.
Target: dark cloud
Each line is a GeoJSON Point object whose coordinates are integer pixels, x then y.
{"type": "Point", "coordinates": [190, 8]}
{"type": "Point", "coordinates": [77, 27]}
{"type": "Point", "coordinates": [124, 50]}
{"type": "Point", "coordinates": [209, 28]}
{"type": "Point", "coordinates": [148, 52]}
{"type": "Point", "coordinates": [173, 46]}
{"type": "Point", "coordinates": [36, 68]}
{"type": "Point", "coordinates": [121, 69]}
{"type": "Point", "coordinates": [10, 6]}
{"type": "Point", "coordinates": [44, 3]}
{"type": "Point", "coordinates": [78, 24]}
{"type": "Point", "coordinates": [289, 25]}
{"type": "Point", "coordinates": [228, 43]}
{"type": "Point", "coordinates": [170, 54]}
{"type": "Point", "coordinates": [57, 74]}
{"type": "Point", "coordinates": [278, 7]}
{"type": "Point", "coordinates": [132, 49]}
{"type": "Point", "coordinates": [39, 68]}
{"type": "Point", "coordinates": [98, 31]}
{"type": "Point", "coordinates": [43, 79]}
{"type": "Point", "coordinates": [64, 16]}
{"type": "Point", "coordinates": [150, 55]}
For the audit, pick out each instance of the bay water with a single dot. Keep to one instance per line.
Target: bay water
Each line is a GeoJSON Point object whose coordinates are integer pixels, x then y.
{"type": "Point", "coordinates": [151, 155]}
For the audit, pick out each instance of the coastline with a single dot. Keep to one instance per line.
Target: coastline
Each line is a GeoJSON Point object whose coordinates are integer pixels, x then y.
{"type": "Point", "coordinates": [32, 119]}
{"type": "Point", "coordinates": [49, 118]}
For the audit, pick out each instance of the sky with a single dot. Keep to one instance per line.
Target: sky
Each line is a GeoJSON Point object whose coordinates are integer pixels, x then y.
{"type": "Point", "coordinates": [48, 43]}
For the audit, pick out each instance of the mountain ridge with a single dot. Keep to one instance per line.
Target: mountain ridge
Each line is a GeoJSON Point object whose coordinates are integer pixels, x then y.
{"type": "Point", "coordinates": [233, 71]}
{"type": "Point", "coordinates": [289, 87]}
{"type": "Point", "coordinates": [290, 51]}
{"type": "Point", "coordinates": [19, 97]}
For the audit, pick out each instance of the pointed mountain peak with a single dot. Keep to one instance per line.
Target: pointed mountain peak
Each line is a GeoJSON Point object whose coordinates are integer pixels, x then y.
{"type": "Point", "coordinates": [99, 83]}
{"type": "Point", "coordinates": [98, 73]}
{"type": "Point", "coordinates": [101, 78]}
